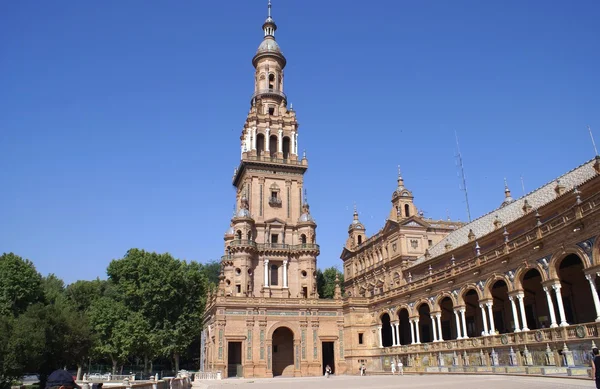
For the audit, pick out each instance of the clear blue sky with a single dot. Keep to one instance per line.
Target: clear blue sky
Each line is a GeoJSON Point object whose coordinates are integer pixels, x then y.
{"type": "Point", "coordinates": [120, 121]}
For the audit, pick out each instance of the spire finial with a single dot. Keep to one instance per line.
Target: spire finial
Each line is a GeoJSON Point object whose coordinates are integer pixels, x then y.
{"type": "Point", "coordinates": [305, 197]}
{"type": "Point", "coordinates": [269, 6]}
{"type": "Point", "coordinates": [593, 143]}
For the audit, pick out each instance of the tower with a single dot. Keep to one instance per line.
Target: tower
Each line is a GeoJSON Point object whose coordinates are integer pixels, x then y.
{"type": "Point", "coordinates": [402, 201]}
{"type": "Point", "coordinates": [271, 245]}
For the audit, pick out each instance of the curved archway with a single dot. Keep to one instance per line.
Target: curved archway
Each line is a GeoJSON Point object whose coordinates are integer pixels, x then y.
{"type": "Point", "coordinates": [386, 331]}
{"type": "Point", "coordinates": [286, 147]}
{"type": "Point", "coordinates": [576, 294]}
{"type": "Point", "coordinates": [273, 146]}
{"type": "Point", "coordinates": [448, 322]}
{"type": "Point", "coordinates": [260, 144]}
{"type": "Point", "coordinates": [425, 328]}
{"type": "Point", "coordinates": [404, 318]}
{"type": "Point", "coordinates": [283, 351]}
{"type": "Point", "coordinates": [474, 321]}
{"type": "Point", "coordinates": [500, 308]}
{"type": "Point", "coordinates": [536, 303]}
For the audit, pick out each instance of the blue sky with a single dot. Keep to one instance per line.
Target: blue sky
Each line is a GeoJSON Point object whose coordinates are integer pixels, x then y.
{"type": "Point", "coordinates": [120, 121]}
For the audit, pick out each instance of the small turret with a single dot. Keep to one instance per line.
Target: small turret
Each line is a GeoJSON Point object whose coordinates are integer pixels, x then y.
{"type": "Point", "coordinates": [507, 197]}
{"type": "Point", "coordinates": [402, 201]}
{"type": "Point", "coordinates": [356, 232]}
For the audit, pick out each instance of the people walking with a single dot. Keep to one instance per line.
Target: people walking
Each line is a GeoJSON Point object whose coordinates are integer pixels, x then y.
{"type": "Point", "coordinates": [393, 366]}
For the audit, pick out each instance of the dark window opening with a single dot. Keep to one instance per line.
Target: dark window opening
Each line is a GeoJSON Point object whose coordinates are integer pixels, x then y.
{"type": "Point", "coordinates": [304, 291]}
{"type": "Point", "coordinates": [271, 111]}
{"type": "Point", "coordinates": [430, 242]}
{"type": "Point", "coordinates": [275, 348]}
{"type": "Point", "coordinates": [239, 235]}
{"type": "Point", "coordinates": [274, 275]}
{"type": "Point", "coordinates": [274, 238]}
{"type": "Point", "coordinates": [273, 145]}
{"type": "Point", "coordinates": [286, 147]}
{"type": "Point", "coordinates": [406, 210]}
{"type": "Point", "coordinates": [303, 239]}
{"type": "Point", "coordinates": [238, 288]}
{"type": "Point", "coordinates": [271, 81]}
{"type": "Point", "coordinates": [359, 239]}
{"type": "Point", "coordinates": [260, 144]}
{"type": "Point", "coordinates": [274, 195]}
{"type": "Point", "coordinates": [360, 338]}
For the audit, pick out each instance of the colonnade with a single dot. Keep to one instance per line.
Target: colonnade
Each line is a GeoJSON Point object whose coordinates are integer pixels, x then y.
{"type": "Point", "coordinates": [267, 273]}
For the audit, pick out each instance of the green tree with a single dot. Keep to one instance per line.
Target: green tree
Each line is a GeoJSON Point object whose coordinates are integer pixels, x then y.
{"type": "Point", "coordinates": [83, 293]}
{"type": "Point", "coordinates": [212, 270]}
{"type": "Point", "coordinates": [326, 282]}
{"type": "Point", "coordinates": [6, 377]}
{"type": "Point", "coordinates": [20, 284]}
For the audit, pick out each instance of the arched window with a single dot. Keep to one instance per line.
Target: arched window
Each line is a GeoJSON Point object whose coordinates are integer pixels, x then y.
{"type": "Point", "coordinates": [303, 239]}
{"type": "Point", "coordinates": [271, 81]}
{"type": "Point", "coordinates": [360, 239]}
{"type": "Point", "coordinates": [273, 145]}
{"type": "Point", "coordinates": [260, 144]}
{"type": "Point", "coordinates": [238, 234]}
{"type": "Point", "coordinates": [249, 235]}
{"type": "Point", "coordinates": [406, 211]}
{"type": "Point", "coordinates": [286, 147]}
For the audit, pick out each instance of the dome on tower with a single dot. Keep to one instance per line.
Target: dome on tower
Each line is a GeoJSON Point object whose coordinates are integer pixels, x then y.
{"type": "Point", "coordinates": [230, 231]}
{"type": "Point", "coordinates": [356, 224]}
{"type": "Point", "coordinates": [268, 46]}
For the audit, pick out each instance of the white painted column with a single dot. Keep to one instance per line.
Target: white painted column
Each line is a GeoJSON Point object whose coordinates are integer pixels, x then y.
{"type": "Point", "coordinates": [296, 144]}
{"type": "Point", "coordinates": [438, 316]}
{"type": "Point", "coordinates": [412, 332]}
{"type": "Point", "coordinates": [592, 279]}
{"type": "Point", "coordinates": [514, 311]}
{"type": "Point", "coordinates": [561, 307]}
{"type": "Point", "coordinates": [458, 335]}
{"type": "Point", "coordinates": [253, 140]}
{"type": "Point", "coordinates": [464, 323]}
{"type": "Point", "coordinates": [280, 141]}
{"type": "Point", "coordinates": [553, 323]}
{"type": "Point", "coordinates": [489, 305]}
{"type": "Point", "coordinates": [267, 141]}
{"type": "Point", "coordinates": [484, 319]}
{"type": "Point", "coordinates": [293, 143]}
{"type": "Point", "coordinates": [380, 338]}
{"type": "Point", "coordinates": [285, 278]}
{"type": "Point", "coordinates": [521, 297]}
{"type": "Point", "coordinates": [418, 330]}
{"type": "Point", "coordinates": [433, 327]}
{"type": "Point", "coordinates": [398, 334]}
{"type": "Point", "coordinates": [266, 262]}
{"type": "Point", "coordinates": [393, 327]}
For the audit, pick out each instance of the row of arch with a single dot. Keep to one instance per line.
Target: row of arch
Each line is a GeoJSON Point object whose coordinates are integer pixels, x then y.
{"type": "Point", "coordinates": [273, 145]}
{"type": "Point", "coordinates": [531, 300]}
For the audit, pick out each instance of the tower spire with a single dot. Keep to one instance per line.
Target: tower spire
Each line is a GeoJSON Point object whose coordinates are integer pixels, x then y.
{"type": "Point", "coordinates": [400, 179]}
{"type": "Point", "coordinates": [269, 7]}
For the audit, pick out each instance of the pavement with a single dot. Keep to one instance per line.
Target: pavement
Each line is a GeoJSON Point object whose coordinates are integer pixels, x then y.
{"type": "Point", "coordinates": [462, 381]}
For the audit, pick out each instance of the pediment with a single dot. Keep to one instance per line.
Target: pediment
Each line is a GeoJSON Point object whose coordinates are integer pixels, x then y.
{"type": "Point", "coordinates": [346, 254]}
{"type": "Point", "coordinates": [275, 222]}
{"type": "Point", "coordinates": [390, 226]}
{"type": "Point", "coordinates": [414, 222]}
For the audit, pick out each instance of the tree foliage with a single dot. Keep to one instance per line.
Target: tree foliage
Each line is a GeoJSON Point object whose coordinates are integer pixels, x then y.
{"type": "Point", "coordinates": [20, 284]}
{"type": "Point", "coordinates": [326, 282]}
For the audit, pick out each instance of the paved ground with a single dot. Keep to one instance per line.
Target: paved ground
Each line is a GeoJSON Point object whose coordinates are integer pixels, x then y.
{"type": "Point", "coordinates": [428, 381]}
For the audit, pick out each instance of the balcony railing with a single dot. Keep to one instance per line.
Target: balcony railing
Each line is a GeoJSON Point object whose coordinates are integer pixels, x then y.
{"type": "Point", "coordinates": [243, 242]}
{"type": "Point", "coordinates": [268, 158]}
{"type": "Point", "coordinates": [274, 201]}
{"type": "Point", "coordinates": [272, 246]}
{"type": "Point", "coordinates": [273, 92]}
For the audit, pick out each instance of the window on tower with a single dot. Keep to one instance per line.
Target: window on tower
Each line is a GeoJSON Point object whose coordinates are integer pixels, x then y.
{"type": "Point", "coordinates": [406, 211]}
{"type": "Point", "coordinates": [260, 144]}
{"type": "Point", "coordinates": [271, 111]}
{"type": "Point", "coordinates": [274, 238]}
{"type": "Point", "coordinates": [271, 81]}
{"type": "Point", "coordinates": [359, 239]}
{"type": "Point", "coordinates": [286, 147]}
{"type": "Point", "coordinates": [274, 275]}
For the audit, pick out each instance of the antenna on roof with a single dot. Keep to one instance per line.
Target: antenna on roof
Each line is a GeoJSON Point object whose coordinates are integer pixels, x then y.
{"type": "Point", "coordinates": [522, 185]}
{"type": "Point", "coordinates": [593, 143]}
{"type": "Point", "coordinates": [464, 180]}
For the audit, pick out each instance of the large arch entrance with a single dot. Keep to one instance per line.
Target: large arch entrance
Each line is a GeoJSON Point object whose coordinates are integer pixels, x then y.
{"type": "Point", "coordinates": [283, 352]}
{"type": "Point", "coordinates": [576, 293]}
{"type": "Point", "coordinates": [425, 328]}
{"type": "Point", "coordinates": [386, 330]}
{"type": "Point", "coordinates": [447, 319]}
{"type": "Point", "coordinates": [473, 318]}
{"type": "Point", "coordinates": [501, 305]}
{"type": "Point", "coordinates": [536, 303]}
{"type": "Point", "coordinates": [405, 324]}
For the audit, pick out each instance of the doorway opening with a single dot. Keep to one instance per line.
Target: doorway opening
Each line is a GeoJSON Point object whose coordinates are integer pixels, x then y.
{"type": "Point", "coordinates": [328, 357]}
{"type": "Point", "coordinates": [234, 359]}
{"type": "Point", "coordinates": [283, 352]}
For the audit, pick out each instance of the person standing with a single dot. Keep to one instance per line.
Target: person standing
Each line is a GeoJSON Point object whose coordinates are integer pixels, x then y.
{"type": "Point", "coordinates": [393, 365]}
{"type": "Point", "coordinates": [596, 367]}
{"type": "Point", "coordinates": [400, 367]}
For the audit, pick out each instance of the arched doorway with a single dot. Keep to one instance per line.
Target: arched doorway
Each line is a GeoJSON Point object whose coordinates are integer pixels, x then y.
{"type": "Point", "coordinates": [425, 328]}
{"type": "Point", "coordinates": [405, 324]}
{"type": "Point", "coordinates": [283, 352]}
{"type": "Point", "coordinates": [536, 303]}
{"type": "Point", "coordinates": [286, 147]}
{"type": "Point", "coordinates": [386, 330]}
{"type": "Point", "coordinates": [273, 146]}
{"type": "Point", "coordinates": [501, 306]}
{"type": "Point", "coordinates": [575, 290]}
{"type": "Point", "coordinates": [447, 319]}
{"type": "Point", "coordinates": [473, 314]}
{"type": "Point", "coordinates": [260, 144]}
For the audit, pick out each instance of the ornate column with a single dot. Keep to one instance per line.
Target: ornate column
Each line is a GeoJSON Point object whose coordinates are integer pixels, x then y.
{"type": "Point", "coordinates": [393, 327]}
{"type": "Point", "coordinates": [433, 327]}
{"type": "Point", "coordinates": [484, 319]}
{"type": "Point", "coordinates": [464, 323]}
{"type": "Point", "coordinates": [514, 311]}
{"type": "Point", "coordinates": [561, 307]}
{"type": "Point", "coordinates": [521, 297]}
{"type": "Point", "coordinates": [489, 305]}
{"type": "Point", "coordinates": [267, 132]}
{"type": "Point", "coordinates": [280, 141]}
{"type": "Point", "coordinates": [293, 143]}
{"type": "Point", "coordinates": [380, 339]}
{"type": "Point", "coordinates": [412, 331]}
{"type": "Point", "coordinates": [458, 335]}
{"type": "Point", "coordinates": [418, 331]}
{"type": "Point", "coordinates": [285, 278]}
{"type": "Point", "coordinates": [398, 334]}
{"type": "Point", "coordinates": [296, 144]}
{"type": "Point", "coordinates": [253, 140]}
{"type": "Point", "coordinates": [438, 316]}
{"type": "Point", "coordinates": [266, 262]}
{"type": "Point", "coordinates": [550, 308]}
{"type": "Point", "coordinates": [592, 279]}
